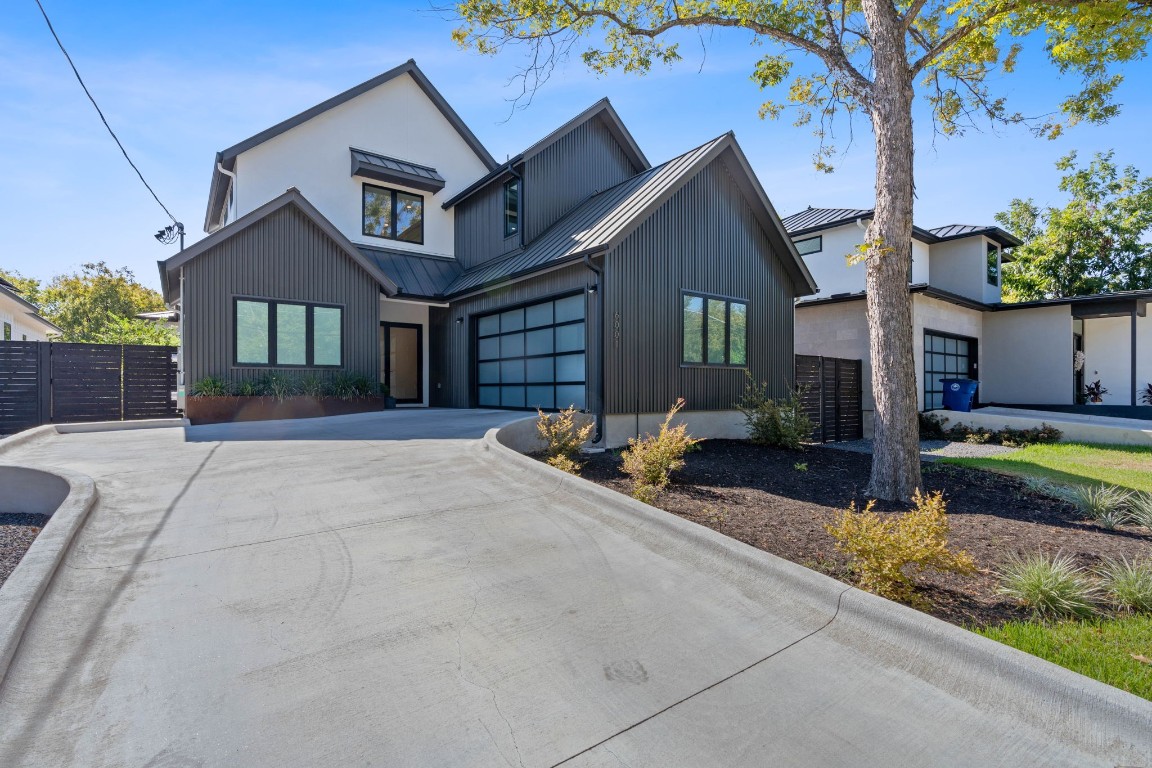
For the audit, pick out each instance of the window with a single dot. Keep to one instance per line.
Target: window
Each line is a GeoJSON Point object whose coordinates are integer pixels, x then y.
{"type": "Point", "coordinates": [715, 331]}
{"type": "Point", "coordinates": [810, 245]}
{"type": "Point", "coordinates": [532, 356]}
{"type": "Point", "coordinates": [392, 214]}
{"type": "Point", "coordinates": [511, 207]}
{"type": "Point", "coordinates": [945, 357]}
{"type": "Point", "coordinates": [993, 265]}
{"type": "Point", "coordinates": [288, 334]}
{"type": "Point", "coordinates": [7, 331]}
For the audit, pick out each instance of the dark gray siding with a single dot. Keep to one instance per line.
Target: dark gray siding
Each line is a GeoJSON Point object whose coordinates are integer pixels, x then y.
{"type": "Point", "coordinates": [452, 368]}
{"type": "Point", "coordinates": [285, 256]}
{"type": "Point", "coordinates": [585, 161]}
{"type": "Point", "coordinates": [706, 239]}
{"type": "Point", "coordinates": [479, 226]}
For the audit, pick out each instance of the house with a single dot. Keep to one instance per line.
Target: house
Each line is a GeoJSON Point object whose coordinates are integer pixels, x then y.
{"type": "Point", "coordinates": [375, 234]}
{"type": "Point", "coordinates": [20, 319]}
{"type": "Point", "coordinates": [1022, 353]}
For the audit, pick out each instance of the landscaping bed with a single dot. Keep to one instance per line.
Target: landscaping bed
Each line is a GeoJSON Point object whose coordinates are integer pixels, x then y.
{"type": "Point", "coordinates": [229, 408]}
{"type": "Point", "coordinates": [17, 532]}
{"type": "Point", "coordinates": [763, 497]}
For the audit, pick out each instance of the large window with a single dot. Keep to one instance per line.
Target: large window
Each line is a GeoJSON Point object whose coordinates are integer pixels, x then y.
{"type": "Point", "coordinates": [288, 334]}
{"type": "Point", "coordinates": [809, 245]}
{"type": "Point", "coordinates": [945, 357]}
{"type": "Point", "coordinates": [993, 265]}
{"type": "Point", "coordinates": [511, 207]}
{"type": "Point", "coordinates": [533, 356]}
{"type": "Point", "coordinates": [393, 214]}
{"type": "Point", "coordinates": [715, 330]}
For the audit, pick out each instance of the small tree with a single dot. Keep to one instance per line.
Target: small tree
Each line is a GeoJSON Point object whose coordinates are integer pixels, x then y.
{"type": "Point", "coordinates": [93, 305]}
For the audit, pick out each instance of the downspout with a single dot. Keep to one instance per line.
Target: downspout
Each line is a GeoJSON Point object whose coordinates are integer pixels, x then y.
{"type": "Point", "coordinates": [596, 290]}
{"type": "Point", "coordinates": [231, 187]}
{"type": "Point", "coordinates": [181, 392]}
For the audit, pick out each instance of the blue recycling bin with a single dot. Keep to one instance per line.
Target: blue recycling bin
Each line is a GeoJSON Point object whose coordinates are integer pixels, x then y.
{"type": "Point", "coordinates": [958, 393]}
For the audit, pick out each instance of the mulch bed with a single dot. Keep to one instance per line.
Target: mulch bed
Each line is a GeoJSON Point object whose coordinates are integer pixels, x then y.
{"type": "Point", "coordinates": [17, 531]}
{"type": "Point", "coordinates": [757, 495]}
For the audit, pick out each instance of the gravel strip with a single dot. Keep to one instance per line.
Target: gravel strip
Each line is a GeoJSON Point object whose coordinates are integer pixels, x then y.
{"type": "Point", "coordinates": [930, 450]}
{"type": "Point", "coordinates": [17, 531]}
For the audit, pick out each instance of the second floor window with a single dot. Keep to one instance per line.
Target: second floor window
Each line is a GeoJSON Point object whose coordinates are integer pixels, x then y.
{"type": "Point", "coordinates": [392, 214]}
{"type": "Point", "coordinates": [993, 265]}
{"type": "Point", "coordinates": [809, 245]}
{"type": "Point", "coordinates": [511, 207]}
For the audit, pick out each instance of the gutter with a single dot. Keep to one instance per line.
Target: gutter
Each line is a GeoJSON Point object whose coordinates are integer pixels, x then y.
{"type": "Point", "coordinates": [596, 289]}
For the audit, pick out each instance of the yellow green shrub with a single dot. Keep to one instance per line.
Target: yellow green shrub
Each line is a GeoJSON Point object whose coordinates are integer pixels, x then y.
{"type": "Point", "coordinates": [650, 461]}
{"type": "Point", "coordinates": [563, 437]}
{"type": "Point", "coordinates": [883, 549]}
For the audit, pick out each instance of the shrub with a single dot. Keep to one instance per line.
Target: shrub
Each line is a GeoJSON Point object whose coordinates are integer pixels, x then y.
{"type": "Point", "coordinates": [1106, 504]}
{"type": "Point", "coordinates": [779, 422]}
{"type": "Point", "coordinates": [1146, 394]}
{"type": "Point", "coordinates": [651, 461]}
{"type": "Point", "coordinates": [931, 426]}
{"type": "Point", "coordinates": [348, 386]}
{"type": "Point", "coordinates": [277, 385]}
{"type": "Point", "coordinates": [211, 386]}
{"type": "Point", "coordinates": [1140, 509]}
{"type": "Point", "coordinates": [1050, 586]}
{"type": "Point", "coordinates": [1127, 584]}
{"type": "Point", "coordinates": [1013, 438]}
{"type": "Point", "coordinates": [562, 437]}
{"type": "Point", "coordinates": [882, 549]}
{"type": "Point", "coordinates": [312, 386]}
{"type": "Point", "coordinates": [249, 388]}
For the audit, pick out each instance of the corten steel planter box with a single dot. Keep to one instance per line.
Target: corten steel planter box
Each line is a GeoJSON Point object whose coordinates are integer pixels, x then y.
{"type": "Point", "coordinates": [217, 410]}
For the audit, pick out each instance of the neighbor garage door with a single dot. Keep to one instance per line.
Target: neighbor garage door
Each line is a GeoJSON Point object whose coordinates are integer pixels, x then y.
{"type": "Point", "coordinates": [533, 356]}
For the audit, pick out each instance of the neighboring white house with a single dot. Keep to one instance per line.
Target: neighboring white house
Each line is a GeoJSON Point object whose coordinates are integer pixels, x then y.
{"type": "Point", "coordinates": [1022, 354]}
{"type": "Point", "coordinates": [20, 319]}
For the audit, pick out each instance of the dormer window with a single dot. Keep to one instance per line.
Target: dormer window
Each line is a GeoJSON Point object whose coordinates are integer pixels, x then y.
{"type": "Point", "coordinates": [393, 214]}
{"type": "Point", "coordinates": [511, 207]}
{"type": "Point", "coordinates": [993, 264]}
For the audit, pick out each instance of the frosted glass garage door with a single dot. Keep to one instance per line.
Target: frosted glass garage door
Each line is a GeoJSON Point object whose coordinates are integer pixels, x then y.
{"type": "Point", "coordinates": [534, 356]}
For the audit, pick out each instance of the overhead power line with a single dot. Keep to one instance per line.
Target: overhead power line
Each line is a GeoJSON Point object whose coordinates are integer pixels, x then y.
{"type": "Point", "coordinates": [101, 113]}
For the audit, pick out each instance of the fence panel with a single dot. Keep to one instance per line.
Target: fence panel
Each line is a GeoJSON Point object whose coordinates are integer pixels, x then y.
{"type": "Point", "coordinates": [149, 381]}
{"type": "Point", "coordinates": [831, 396]}
{"type": "Point", "coordinates": [20, 407]}
{"type": "Point", "coordinates": [87, 382]}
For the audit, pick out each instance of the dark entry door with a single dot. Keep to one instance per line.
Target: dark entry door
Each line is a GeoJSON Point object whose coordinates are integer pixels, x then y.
{"type": "Point", "coordinates": [947, 356]}
{"type": "Point", "coordinates": [402, 361]}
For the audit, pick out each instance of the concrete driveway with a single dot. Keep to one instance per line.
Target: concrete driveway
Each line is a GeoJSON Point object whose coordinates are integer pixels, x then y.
{"type": "Point", "coordinates": [391, 590]}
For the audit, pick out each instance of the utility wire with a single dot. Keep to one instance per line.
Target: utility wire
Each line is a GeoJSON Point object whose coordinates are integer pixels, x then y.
{"type": "Point", "coordinates": [99, 112]}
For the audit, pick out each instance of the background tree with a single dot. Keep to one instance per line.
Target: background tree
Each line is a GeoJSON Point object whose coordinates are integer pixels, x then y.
{"type": "Point", "coordinates": [1100, 241]}
{"type": "Point", "coordinates": [870, 56]}
{"type": "Point", "coordinates": [97, 305]}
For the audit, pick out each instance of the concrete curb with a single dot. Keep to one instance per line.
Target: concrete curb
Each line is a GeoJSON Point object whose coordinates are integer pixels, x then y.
{"type": "Point", "coordinates": [27, 436]}
{"type": "Point", "coordinates": [68, 497]}
{"type": "Point", "coordinates": [119, 426]}
{"type": "Point", "coordinates": [985, 674]}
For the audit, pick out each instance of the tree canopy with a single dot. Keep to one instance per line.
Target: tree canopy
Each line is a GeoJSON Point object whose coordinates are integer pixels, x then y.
{"type": "Point", "coordinates": [98, 304]}
{"type": "Point", "coordinates": [1099, 241]}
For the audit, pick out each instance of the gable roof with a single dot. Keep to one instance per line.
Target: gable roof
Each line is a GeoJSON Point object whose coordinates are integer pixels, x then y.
{"type": "Point", "coordinates": [955, 231]}
{"type": "Point", "coordinates": [290, 198]}
{"type": "Point", "coordinates": [605, 219]}
{"type": "Point", "coordinates": [33, 311]}
{"type": "Point", "coordinates": [814, 220]}
{"type": "Point", "coordinates": [218, 193]}
{"type": "Point", "coordinates": [602, 110]}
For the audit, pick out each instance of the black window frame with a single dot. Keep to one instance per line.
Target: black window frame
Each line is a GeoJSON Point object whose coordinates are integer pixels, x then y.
{"type": "Point", "coordinates": [392, 191]}
{"type": "Point", "coordinates": [7, 331]}
{"type": "Point", "coordinates": [819, 243]}
{"type": "Point", "coordinates": [993, 275]}
{"type": "Point", "coordinates": [511, 217]}
{"type": "Point", "coordinates": [728, 302]}
{"type": "Point", "coordinates": [972, 372]}
{"type": "Point", "coordinates": [309, 334]}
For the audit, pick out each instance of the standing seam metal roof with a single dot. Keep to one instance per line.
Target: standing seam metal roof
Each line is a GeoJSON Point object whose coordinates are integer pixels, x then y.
{"type": "Point", "coordinates": [822, 217]}
{"type": "Point", "coordinates": [391, 168]}
{"type": "Point", "coordinates": [415, 274]}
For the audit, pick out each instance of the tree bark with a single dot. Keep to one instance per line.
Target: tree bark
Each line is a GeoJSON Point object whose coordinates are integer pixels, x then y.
{"type": "Point", "coordinates": [896, 445]}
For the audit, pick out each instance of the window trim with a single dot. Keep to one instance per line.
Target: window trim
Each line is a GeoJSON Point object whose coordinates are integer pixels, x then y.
{"type": "Point", "coordinates": [728, 302]}
{"type": "Point", "coordinates": [819, 242]}
{"type": "Point", "coordinates": [309, 334]}
{"type": "Point", "coordinates": [515, 227]}
{"type": "Point", "coordinates": [392, 192]}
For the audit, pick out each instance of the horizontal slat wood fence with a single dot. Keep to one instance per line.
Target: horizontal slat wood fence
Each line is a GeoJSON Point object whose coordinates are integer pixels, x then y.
{"type": "Point", "coordinates": [830, 390]}
{"type": "Point", "coordinates": [44, 382]}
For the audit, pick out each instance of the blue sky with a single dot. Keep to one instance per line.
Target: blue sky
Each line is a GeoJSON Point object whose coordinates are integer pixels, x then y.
{"type": "Point", "coordinates": [179, 81]}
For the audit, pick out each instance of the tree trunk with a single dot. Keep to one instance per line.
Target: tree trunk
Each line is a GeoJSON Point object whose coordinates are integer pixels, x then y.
{"type": "Point", "coordinates": [896, 446]}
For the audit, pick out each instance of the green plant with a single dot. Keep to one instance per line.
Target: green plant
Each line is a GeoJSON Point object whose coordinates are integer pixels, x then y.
{"type": "Point", "coordinates": [249, 388]}
{"type": "Point", "coordinates": [563, 437]}
{"type": "Point", "coordinates": [650, 461]}
{"type": "Point", "coordinates": [1140, 509]}
{"type": "Point", "coordinates": [1106, 504]}
{"type": "Point", "coordinates": [800, 466]}
{"type": "Point", "coordinates": [1146, 394]}
{"type": "Point", "coordinates": [931, 426]}
{"type": "Point", "coordinates": [277, 385]}
{"type": "Point", "coordinates": [882, 549]}
{"type": "Point", "coordinates": [1128, 584]}
{"type": "Point", "coordinates": [1050, 586]}
{"type": "Point", "coordinates": [312, 386]}
{"type": "Point", "coordinates": [211, 386]}
{"type": "Point", "coordinates": [1013, 438]}
{"type": "Point", "coordinates": [348, 386]}
{"type": "Point", "coordinates": [779, 422]}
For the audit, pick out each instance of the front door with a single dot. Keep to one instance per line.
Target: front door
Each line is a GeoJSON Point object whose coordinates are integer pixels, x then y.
{"type": "Point", "coordinates": [402, 361]}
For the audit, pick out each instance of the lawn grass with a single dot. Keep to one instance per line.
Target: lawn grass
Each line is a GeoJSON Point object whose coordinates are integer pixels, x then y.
{"type": "Point", "coordinates": [1129, 466]}
{"type": "Point", "coordinates": [1098, 648]}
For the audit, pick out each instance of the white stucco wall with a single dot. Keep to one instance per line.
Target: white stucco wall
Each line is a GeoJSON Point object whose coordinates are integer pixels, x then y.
{"type": "Point", "coordinates": [930, 314]}
{"type": "Point", "coordinates": [1108, 356]}
{"type": "Point", "coordinates": [830, 266]}
{"type": "Point", "coordinates": [395, 119]}
{"type": "Point", "coordinates": [16, 314]}
{"type": "Point", "coordinates": [958, 266]}
{"type": "Point", "coordinates": [1027, 356]}
{"type": "Point", "coordinates": [413, 313]}
{"type": "Point", "coordinates": [992, 293]}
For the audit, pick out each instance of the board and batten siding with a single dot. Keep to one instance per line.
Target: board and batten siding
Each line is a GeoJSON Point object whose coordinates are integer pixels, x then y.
{"type": "Point", "coordinates": [480, 227]}
{"type": "Point", "coordinates": [285, 257]}
{"type": "Point", "coordinates": [705, 239]}
{"type": "Point", "coordinates": [453, 367]}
